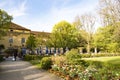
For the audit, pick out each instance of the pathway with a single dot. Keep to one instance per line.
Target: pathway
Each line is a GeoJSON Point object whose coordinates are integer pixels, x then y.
{"type": "Point", "coordinates": [22, 70]}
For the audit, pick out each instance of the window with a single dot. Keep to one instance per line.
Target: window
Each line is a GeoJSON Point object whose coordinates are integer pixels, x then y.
{"type": "Point", "coordinates": [23, 40]}
{"type": "Point", "coordinates": [10, 40]}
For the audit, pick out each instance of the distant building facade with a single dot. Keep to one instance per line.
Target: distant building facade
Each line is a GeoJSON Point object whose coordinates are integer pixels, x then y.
{"type": "Point", "coordinates": [16, 36]}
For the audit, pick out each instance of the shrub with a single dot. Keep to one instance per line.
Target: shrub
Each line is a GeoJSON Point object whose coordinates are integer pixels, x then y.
{"type": "Point", "coordinates": [46, 63]}
{"type": "Point", "coordinates": [35, 62]}
{"type": "Point", "coordinates": [96, 64]}
{"type": "Point", "coordinates": [86, 55]}
{"type": "Point", "coordinates": [73, 56]}
{"type": "Point", "coordinates": [32, 57]}
{"type": "Point", "coordinates": [112, 66]}
{"type": "Point", "coordinates": [58, 60]}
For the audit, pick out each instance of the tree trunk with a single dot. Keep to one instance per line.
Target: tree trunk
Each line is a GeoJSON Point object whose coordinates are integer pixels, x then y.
{"type": "Point", "coordinates": [95, 49]}
{"type": "Point", "coordinates": [88, 48]}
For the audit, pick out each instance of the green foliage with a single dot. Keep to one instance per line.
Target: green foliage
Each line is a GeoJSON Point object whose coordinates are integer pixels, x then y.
{"type": "Point", "coordinates": [35, 62]}
{"type": "Point", "coordinates": [73, 56]}
{"type": "Point", "coordinates": [113, 64]}
{"type": "Point", "coordinates": [104, 37]}
{"type": "Point", "coordinates": [31, 42]}
{"type": "Point", "coordinates": [94, 70]}
{"type": "Point", "coordinates": [32, 57]}
{"type": "Point", "coordinates": [107, 39]}
{"type": "Point", "coordinates": [96, 64]}
{"type": "Point", "coordinates": [63, 35]}
{"type": "Point", "coordinates": [5, 21]}
{"type": "Point", "coordinates": [46, 63]}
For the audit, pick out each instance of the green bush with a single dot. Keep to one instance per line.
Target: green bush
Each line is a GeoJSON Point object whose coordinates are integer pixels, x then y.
{"type": "Point", "coordinates": [35, 62]}
{"type": "Point", "coordinates": [96, 64]}
{"type": "Point", "coordinates": [32, 57]}
{"type": "Point", "coordinates": [112, 66]}
{"type": "Point", "coordinates": [46, 63]}
{"type": "Point", "coordinates": [73, 56]}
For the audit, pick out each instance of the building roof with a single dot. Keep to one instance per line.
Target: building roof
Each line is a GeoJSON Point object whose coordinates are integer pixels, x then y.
{"type": "Point", "coordinates": [37, 33]}
{"type": "Point", "coordinates": [18, 27]}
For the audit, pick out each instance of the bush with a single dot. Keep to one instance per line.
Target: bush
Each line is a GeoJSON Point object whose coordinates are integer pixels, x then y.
{"type": "Point", "coordinates": [112, 66]}
{"type": "Point", "coordinates": [86, 55]}
{"type": "Point", "coordinates": [32, 57]}
{"type": "Point", "coordinates": [73, 57]}
{"type": "Point", "coordinates": [46, 63]}
{"type": "Point", "coordinates": [96, 64]}
{"type": "Point", "coordinates": [35, 62]}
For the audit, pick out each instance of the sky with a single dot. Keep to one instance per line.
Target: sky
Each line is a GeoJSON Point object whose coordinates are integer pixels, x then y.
{"type": "Point", "coordinates": [42, 15]}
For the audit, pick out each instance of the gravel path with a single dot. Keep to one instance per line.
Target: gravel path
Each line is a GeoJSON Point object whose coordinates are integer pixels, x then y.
{"type": "Point", "coordinates": [22, 70]}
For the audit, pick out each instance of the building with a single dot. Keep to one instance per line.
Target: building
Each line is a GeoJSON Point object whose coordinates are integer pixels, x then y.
{"type": "Point", "coordinates": [44, 36]}
{"type": "Point", "coordinates": [16, 36]}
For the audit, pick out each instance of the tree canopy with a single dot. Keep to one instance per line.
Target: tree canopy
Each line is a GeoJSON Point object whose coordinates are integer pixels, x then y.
{"type": "Point", "coordinates": [5, 20]}
{"type": "Point", "coordinates": [63, 35]}
{"type": "Point", "coordinates": [31, 42]}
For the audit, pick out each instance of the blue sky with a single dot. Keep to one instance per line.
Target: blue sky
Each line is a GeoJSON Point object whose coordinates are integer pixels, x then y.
{"type": "Point", "coordinates": [42, 15]}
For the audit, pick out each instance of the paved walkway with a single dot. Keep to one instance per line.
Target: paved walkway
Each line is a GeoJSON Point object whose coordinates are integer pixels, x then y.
{"type": "Point", "coordinates": [22, 70]}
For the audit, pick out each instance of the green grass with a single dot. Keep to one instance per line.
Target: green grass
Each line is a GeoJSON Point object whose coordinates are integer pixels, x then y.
{"type": "Point", "coordinates": [114, 58]}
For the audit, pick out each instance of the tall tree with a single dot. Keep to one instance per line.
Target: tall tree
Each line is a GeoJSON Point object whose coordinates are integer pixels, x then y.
{"type": "Point", "coordinates": [31, 42]}
{"type": "Point", "coordinates": [105, 39]}
{"type": "Point", "coordinates": [88, 22]}
{"type": "Point", "coordinates": [5, 20]}
{"type": "Point", "coordinates": [63, 35]}
{"type": "Point", "coordinates": [79, 34]}
{"type": "Point", "coordinates": [109, 11]}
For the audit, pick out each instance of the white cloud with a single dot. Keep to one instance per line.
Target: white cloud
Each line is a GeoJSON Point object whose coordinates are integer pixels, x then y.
{"type": "Point", "coordinates": [19, 10]}
{"type": "Point", "coordinates": [46, 23]}
{"type": "Point", "coordinates": [65, 13]}
{"type": "Point", "coordinates": [14, 8]}
{"type": "Point", "coordinates": [56, 14]}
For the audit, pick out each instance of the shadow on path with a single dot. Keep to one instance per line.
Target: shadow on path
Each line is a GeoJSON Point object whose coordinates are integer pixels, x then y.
{"type": "Point", "coordinates": [22, 70]}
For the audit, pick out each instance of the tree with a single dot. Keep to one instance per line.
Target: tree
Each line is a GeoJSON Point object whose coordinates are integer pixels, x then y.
{"type": "Point", "coordinates": [5, 21]}
{"type": "Point", "coordinates": [109, 11]}
{"type": "Point", "coordinates": [110, 15]}
{"type": "Point", "coordinates": [85, 24]}
{"type": "Point", "coordinates": [105, 39]}
{"type": "Point", "coordinates": [63, 35]}
{"type": "Point", "coordinates": [31, 42]}
{"type": "Point", "coordinates": [79, 34]}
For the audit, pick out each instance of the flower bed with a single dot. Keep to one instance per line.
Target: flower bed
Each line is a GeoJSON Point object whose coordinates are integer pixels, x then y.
{"type": "Point", "coordinates": [77, 72]}
{"type": "Point", "coordinates": [73, 68]}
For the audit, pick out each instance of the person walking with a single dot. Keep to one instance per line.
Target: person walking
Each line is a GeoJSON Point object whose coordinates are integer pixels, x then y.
{"type": "Point", "coordinates": [15, 54]}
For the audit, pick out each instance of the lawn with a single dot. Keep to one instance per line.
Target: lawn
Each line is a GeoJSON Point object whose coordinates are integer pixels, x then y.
{"type": "Point", "coordinates": [105, 59]}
